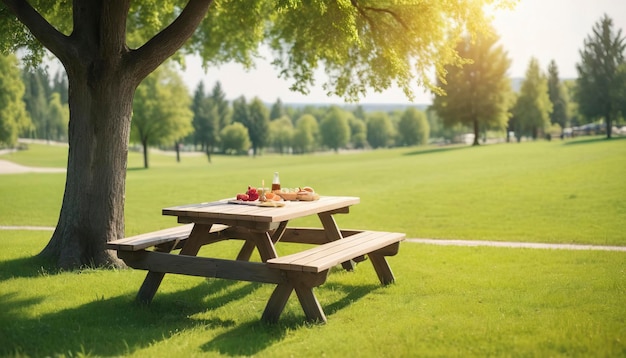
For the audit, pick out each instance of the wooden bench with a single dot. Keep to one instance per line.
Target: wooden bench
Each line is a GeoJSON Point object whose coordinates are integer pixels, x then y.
{"type": "Point", "coordinates": [308, 269]}
{"type": "Point", "coordinates": [172, 238]}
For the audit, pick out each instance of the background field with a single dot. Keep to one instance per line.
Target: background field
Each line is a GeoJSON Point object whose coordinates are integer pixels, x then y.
{"type": "Point", "coordinates": [447, 301]}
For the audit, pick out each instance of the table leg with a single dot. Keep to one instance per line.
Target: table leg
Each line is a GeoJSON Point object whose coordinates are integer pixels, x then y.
{"type": "Point", "coordinates": [153, 279]}
{"type": "Point", "coordinates": [249, 245]}
{"type": "Point", "coordinates": [333, 233]}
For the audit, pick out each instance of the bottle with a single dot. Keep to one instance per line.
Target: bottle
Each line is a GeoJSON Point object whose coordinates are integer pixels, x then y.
{"type": "Point", "coordinates": [276, 183]}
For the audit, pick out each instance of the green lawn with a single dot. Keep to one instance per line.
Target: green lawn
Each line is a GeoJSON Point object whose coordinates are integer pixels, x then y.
{"type": "Point", "coordinates": [447, 301]}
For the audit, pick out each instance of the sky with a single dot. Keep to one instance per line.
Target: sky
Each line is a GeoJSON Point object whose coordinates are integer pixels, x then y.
{"type": "Point", "coordinates": [544, 29]}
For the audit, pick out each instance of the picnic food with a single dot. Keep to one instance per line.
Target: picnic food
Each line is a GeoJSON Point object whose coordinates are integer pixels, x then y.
{"type": "Point", "coordinates": [305, 193]}
{"type": "Point", "coordinates": [251, 195]}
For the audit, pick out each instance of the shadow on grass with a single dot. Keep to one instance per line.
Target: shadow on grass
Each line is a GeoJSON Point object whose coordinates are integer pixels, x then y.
{"type": "Point", "coordinates": [109, 327]}
{"type": "Point", "coordinates": [592, 140]}
{"type": "Point", "coordinates": [119, 326]}
{"type": "Point", "coordinates": [33, 266]}
{"type": "Point", "coordinates": [258, 335]}
{"type": "Point", "coordinates": [438, 149]}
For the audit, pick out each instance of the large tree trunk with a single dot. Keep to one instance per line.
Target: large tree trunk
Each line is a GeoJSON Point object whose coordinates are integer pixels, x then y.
{"type": "Point", "coordinates": [103, 74]}
{"type": "Point", "coordinates": [92, 212]}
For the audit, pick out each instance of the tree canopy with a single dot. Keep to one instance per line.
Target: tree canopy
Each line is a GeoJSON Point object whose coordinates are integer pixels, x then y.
{"type": "Point", "coordinates": [108, 47]}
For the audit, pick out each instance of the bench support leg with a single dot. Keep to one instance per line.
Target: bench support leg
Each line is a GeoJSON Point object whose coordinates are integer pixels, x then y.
{"type": "Point", "coordinates": [153, 279]}
{"type": "Point", "coordinates": [303, 283]}
{"type": "Point", "coordinates": [383, 270]}
{"type": "Point", "coordinates": [310, 304]}
{"type": "Point", "coordinates": [277, 302]}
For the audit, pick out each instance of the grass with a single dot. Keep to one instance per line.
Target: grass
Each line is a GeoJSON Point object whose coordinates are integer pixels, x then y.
{"type": "Point", "coordinates": [448, 301]}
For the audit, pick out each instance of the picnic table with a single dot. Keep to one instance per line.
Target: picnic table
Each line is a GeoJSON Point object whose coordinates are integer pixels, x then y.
{"type": "Point", "coordinates": [261, 228]}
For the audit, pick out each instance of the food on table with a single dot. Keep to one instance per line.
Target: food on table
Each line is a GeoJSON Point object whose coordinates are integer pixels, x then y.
{"type": "Point", "coordinates": [251, 195]}
{"type": "Point", "coordinates": [305, 193]}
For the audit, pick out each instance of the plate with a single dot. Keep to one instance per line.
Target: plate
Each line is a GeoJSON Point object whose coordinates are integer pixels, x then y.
{"type": "Point", "coordinates": [265, 204]}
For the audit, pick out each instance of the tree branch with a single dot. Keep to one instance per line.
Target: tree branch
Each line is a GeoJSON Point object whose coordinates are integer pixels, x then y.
{"type": "Point", "coordinates": [49, 36]}
{"type": "Point", "coordinates": [148, 57]}
{"type": "Point", "coordinates": [363, 11]}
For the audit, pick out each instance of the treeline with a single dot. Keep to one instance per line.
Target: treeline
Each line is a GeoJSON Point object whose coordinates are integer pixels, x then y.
{"type": "Point", "coordinates": [478, 99]}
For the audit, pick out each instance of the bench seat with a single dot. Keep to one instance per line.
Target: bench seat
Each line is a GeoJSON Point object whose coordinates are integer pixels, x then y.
{"type": "Point", "coordinates": [323, 257]}
{"type": "Point", "coordinates": [155, 238]}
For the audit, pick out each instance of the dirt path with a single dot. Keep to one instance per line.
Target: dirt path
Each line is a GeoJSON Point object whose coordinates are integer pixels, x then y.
{"type": "Point", "coordinates": [7, 167]}
{"type": "Point", "coordinates": [441, 242]}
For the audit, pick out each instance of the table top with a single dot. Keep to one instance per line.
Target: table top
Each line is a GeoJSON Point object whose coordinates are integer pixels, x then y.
{"type": "Point", "coordinates": [222, 210]}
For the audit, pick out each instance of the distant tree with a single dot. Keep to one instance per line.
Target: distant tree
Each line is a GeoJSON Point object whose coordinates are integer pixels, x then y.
{"type": "Point", "coordinates": [241, 111]}
{"type": "Point", "coordinates": [210, 114]}
{"type": "Point", "coordinates": [222, 106]}
{"type": "Point", "coordinates": [533, 107]}
{"type": "Point", "coordinates": [281, 134]}
{"type": "Point", "coordinates": [36, 95]}
{"type": "Point", "coordinates": [380, 131]}
{"type": "Point", "coordinates": [574, 117]}
{"type": "Point", "coordinates": [558, 97]}
{"type": "Point", "coordinates": [60, 86]}
{"type": "Point", "coordinates": [235, 138]}
{"type": "Point", "coordinates": [599, 85]}
{"type": "Point", "coordinates": [13, 116]}
{"type": "Point", "coordinates": [358, 131]}
{"type": "Point", "coordinates": [277, 110]}
{"type": "Point", "coordinates": [359, 113]}
{"type": "Point", "coordinates": [161, 111]}
{"type": "Point", "coordinates": [305, 136]}
{"type": "Point", "coordinates": [478, 93]}
{"type": "Point", "coordinates": [334, 128]}
{"type": "Point", "coordinates": [258, 125]}
{"type": "Point", "coordinates": [58, 117]}
{"type": "Point", "coordinates": [413, 128]}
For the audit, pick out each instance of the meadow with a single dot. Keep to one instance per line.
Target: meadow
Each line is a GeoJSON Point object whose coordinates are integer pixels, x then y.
{"type": "Point", "coordinates": [447, 301]}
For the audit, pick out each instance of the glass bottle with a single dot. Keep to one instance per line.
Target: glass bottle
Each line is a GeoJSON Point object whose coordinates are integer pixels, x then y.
{"type": "Point", "coordinates": [275, 183]}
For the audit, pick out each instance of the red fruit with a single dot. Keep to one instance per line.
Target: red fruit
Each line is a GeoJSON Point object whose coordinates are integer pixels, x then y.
{"type": "Point", "coordinates": [243, 197]}
{"type": "Point", "coordinates": [252, 196]}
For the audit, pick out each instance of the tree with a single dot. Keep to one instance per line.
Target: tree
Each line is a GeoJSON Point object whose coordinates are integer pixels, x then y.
{"type": "Point", "coordinates": [281, 133]}
{"type": "Point", "coordinates": [206, 117]}
{"type": "Point", "coordinates": [306, 134]}
{"type": "Point", "coordinates": [36, 100]}
{"type": "Point", "coordinates": [379, 130]}
{"type": "Point", "coordinates": [478, 93]}
{"type": "Point", "coordinates": [533, 107]}
{"type": "Point", "coordinates": [358, 130]}
{"type": "Point", "coordinates": [13, 115]}
{"type": "Point", "coordinates": [222, 107]}
{"type": "Point", "coordinates": [277, 110]}
{"type": "Point", "coordinates": [235, 138]}
{"type": "Point", "coordinates": [161, 113]}
{"type": "Point", "coordinates": [334, 129]}
{"type": "Point", "coordinates": [558, 97]}
{"type": "Point", "coordinates": [258, 125]}
{"type": "Point", "coordinates": [58, 116]}
{"type": "Point", "coordinates": [108, 47]}
{"type": "Point", "coordinates": [599, 84]}
{"type": "Point", "coordinates": [413, 128]}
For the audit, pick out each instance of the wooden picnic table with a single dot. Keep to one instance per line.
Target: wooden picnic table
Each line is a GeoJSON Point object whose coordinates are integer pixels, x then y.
{"type": "Point", "coordinates": [261, 228]}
